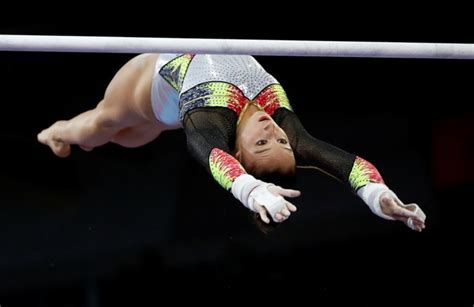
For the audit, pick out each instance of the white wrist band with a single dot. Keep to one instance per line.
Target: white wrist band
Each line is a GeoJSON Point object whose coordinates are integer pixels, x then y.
{"type": "Point", "coordinates": [370, 194]}
{"type": "Point", "coordinates": [248, 190]}
{"type": "Point", "coordinates": [242, 187]}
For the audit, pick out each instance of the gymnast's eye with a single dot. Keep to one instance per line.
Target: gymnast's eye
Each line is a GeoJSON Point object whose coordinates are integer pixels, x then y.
{"type": "Point", "coordinates": [261, 142]}
{"type": "Point", "coordinates": [282, 141]}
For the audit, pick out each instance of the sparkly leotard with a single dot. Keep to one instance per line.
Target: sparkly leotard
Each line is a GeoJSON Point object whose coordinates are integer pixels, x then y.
{"type": "Point", "coordinates": [185, 82]}
{"type": "Point", "coordinates": [205, 94]}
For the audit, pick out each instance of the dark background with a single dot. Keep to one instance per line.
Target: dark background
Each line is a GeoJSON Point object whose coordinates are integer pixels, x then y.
{"type": "Point", "coordinates": [129, 226]}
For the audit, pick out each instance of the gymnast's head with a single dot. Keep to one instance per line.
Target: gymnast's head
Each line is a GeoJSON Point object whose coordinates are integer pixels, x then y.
{"type": "Point", "coordinates": [262, 147]}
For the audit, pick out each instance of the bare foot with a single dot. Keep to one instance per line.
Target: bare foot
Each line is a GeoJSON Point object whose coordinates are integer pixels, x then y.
{"type": "Point", "coordinates": [59, 148]}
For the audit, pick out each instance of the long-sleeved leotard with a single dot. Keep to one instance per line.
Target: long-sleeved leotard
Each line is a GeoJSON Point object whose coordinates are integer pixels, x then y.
{"type": "Point", "coordinates": [213, 90]}
{"type": "Point", "coordinates": [205, 94]}
{"type": "Point", "coordinates": [211, 134]}
{"type": "Point", "coordinates": [309, 151]}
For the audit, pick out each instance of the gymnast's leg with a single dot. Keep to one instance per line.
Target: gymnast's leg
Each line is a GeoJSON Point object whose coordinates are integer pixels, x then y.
{"type": "Point", "coordinates": [124, 116]}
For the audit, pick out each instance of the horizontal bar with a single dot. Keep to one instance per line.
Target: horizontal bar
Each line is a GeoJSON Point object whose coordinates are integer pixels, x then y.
{"type": "Point", "coordinates": [102, 44]}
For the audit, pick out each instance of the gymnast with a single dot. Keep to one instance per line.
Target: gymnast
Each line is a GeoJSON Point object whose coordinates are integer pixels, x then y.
{"type": "Point", "coordinates": [238, 123]}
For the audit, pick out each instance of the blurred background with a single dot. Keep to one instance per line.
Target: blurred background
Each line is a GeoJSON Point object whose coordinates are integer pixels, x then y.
{"type": "Point", "coordinates": [129, 226]}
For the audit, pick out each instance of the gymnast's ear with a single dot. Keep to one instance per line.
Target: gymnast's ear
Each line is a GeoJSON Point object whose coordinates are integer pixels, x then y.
{"type": "Point", "coordinates": [238, 155]}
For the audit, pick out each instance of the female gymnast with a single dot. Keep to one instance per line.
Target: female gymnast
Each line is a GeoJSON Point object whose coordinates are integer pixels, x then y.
{"type": "Point", "coordinates": [238, 123]}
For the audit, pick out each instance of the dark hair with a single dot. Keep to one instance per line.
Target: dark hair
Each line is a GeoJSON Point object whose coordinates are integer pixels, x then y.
{"type": "Point", "coordinates": [261, 225]}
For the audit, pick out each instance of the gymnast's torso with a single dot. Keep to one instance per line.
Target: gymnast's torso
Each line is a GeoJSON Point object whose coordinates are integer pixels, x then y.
{"type": "Point", "coordinates": [183, 82]}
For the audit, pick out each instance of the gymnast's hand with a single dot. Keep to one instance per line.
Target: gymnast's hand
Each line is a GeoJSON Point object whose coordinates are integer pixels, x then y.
{"type": "Point", "coordinates": [410, 214]}
{"type": "Point", "coordinates": [285, 208]}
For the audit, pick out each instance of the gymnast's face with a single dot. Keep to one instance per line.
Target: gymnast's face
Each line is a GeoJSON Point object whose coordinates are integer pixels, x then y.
{"type": "Point", "coordinates": [262, 146]}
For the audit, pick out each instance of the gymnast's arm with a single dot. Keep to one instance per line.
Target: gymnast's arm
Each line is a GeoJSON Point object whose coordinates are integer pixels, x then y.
{"type": "Point", "coordinates": [209, 131]}
{"type": "Point", "coordinates": [362, 177]}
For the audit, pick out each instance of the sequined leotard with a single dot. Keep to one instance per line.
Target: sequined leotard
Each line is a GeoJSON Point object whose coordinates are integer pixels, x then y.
{"type": "Point", "coordinates": [205, 94]}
